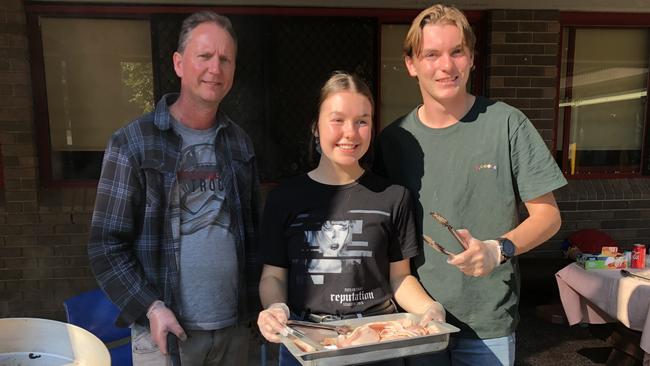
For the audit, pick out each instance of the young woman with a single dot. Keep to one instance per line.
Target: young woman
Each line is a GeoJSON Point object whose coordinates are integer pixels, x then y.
{"type": "Point", "coordinates": [337, 240]}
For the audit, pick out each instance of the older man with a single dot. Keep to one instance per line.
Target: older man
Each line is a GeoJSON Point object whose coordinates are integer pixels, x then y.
{"type": "Point", "coordinates": [173, 233]}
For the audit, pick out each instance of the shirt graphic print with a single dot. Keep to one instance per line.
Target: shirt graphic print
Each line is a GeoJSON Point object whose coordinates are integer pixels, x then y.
{"type": "Point", "coordinates": [202, 190]}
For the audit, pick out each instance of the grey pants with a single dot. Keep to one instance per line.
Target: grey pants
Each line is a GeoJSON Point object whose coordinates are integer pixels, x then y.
{"type": "Point", "coordinates": [227, 346]}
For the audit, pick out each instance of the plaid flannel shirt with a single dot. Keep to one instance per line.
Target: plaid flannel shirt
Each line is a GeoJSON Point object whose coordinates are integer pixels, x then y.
{"type": "Point", "coordinates": [134, 245]}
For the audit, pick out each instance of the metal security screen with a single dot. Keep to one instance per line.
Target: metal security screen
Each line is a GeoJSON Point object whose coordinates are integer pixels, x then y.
{"type": "Point", "coordinates": [281, 64]}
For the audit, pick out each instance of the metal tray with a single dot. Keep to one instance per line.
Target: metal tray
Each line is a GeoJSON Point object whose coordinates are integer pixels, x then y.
{"type": "Point", "coordinates": [370, 352]}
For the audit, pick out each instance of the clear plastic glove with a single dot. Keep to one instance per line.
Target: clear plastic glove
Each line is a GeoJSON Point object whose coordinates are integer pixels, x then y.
{"type": "Point", "coordinates": [273, 320]}
{"type": "Point", "coordinates": [163, 321]}
{"type": "Point", "coordinates": [480, 258]}
{"type": "Point", "coordinates": [435, 312]}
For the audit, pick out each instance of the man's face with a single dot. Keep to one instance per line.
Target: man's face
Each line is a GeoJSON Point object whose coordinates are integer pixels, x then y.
{"type": "Point", "coordinates": [207, 65]}
{"type": "Point", "coordinates": [443, 64]}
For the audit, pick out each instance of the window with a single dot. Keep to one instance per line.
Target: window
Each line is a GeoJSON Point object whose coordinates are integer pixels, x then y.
{"type": "Point", "coordinates": [98, 76]}
{"type": "Point", "coordinates": [603, 97]}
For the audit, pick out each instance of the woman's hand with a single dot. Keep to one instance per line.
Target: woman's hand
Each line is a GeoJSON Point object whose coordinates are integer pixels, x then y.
{"type": "Point", "coordinates": [272, 320]}
{"type": "Point", "coordinates": [435, 312]}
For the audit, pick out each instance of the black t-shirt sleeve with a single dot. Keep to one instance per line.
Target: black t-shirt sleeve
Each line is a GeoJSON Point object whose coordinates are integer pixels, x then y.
{"type": "Point", "coordinates": [404, 241]}
{"type": "Point", "coordinates": [272, 243]}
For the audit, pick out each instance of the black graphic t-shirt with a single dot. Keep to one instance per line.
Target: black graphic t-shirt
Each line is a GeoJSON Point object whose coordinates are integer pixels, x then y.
{"type": "Point", "coordinates": [338, 241]}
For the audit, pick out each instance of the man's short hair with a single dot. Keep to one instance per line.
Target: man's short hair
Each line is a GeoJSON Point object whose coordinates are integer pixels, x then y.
{"type": "Point", "coordinates": [199, 18]}
{"type": "Point", "coordinates": [437, 14]}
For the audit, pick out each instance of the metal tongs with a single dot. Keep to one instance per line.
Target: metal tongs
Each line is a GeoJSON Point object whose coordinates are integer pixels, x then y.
{"type": "Point", "coordinates": [340, 329]}
{"type": "Point", "coordinates": [626, 273]}
{"type": "Point", "coordinates": [444, 222]}
{"type": "Point", "coordinates": [294, 333]}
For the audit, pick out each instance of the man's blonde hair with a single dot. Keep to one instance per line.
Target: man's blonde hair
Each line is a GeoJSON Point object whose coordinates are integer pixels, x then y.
{"type": "Point", "coordinates": [437, 14]}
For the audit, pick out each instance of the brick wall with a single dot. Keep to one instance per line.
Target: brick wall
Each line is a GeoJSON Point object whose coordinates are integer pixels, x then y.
{"type": "Point", "coordinates": [43, 231]}
{"type": "Point", "coordinates": [523, 47]}
{"type": "Point", "coordinates": [523, 51]}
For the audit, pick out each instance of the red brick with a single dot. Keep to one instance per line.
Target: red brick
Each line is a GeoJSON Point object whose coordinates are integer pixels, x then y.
{"type": "Point", "coordinates": [16, 114]}
{"type": "Point", "coordinates": [17, 219]}
{"type": "Point", "coordinates": [16, 17]}
{"type": "Point", "coordinates": [498, 37]}
{"type": "Point", "coordinates": [25, 138]}
{"type": "Point", "coordinates": [37, 252]}
{"type": "Point", "coordinates": [495, 81]}
{"type": "Point", "coordinates": [10, 230]}
{"type": "Point", "coordinates": [84, 218]}
{"type": "Point", "coordinates": [22, 126]}
{"type": "Point", "coordinates": [499, 93]}
{"type": "Point", "coordinates": [49, 240]}
{"type": "Point", "coordinates": [21, 241]}
{"type": "Point", "coordinates": [69, 272]}
{"type": "Point", "coordinates": [530, 71]}
{"type": "Point", "coordinates": [518, 103]}
{"type": "Point", "coordinates": [51, 262]}
{"type": "Point", "coordinates": [546, 15]}
{"type": "Point", "coordinates": [517, 81]}
{"type": "Point", "coordinates": [542, 103]}
{"type": "Point", "coordinates": [63, 218]}
{"type": "Point", "coordinates": [70, 250]}
{"type": "Point", "coordinates": [37, 273]}
{"type": "Point", "coordinates": [512, 14]}
{"type": "Point", "coordinates": [21, 78]}
{"type": "Point", "coordinates": [505, 26]}
{"type": "Point", "coordinates": [551, 49]}
{"type": "Point", "coordinates": [544, 60]}
{"type": "Point", "coordinates": [70, 229]}
{"type": "Point", "coordinates": [12, 5]}
{"type": "Point", "coordinates": [553, 38]}
{"type": "Point", "coordinates": [79, 261]}
{"type": "Point", "coordinates": [17, 196]}
{"type": "Point", "coordinates": [498, 14]}
{"type": "Point", "coordinates": [19, 263]}
{"type": "Point", "coordinates": [79, 239]}
{"type": "Point", "coordinates": [19, 102]}
{"type": "Point", "coordinates": [10, 252]}
{"type": "Point", "coordinates": [543, 124]}
{"type": "Point", "coordinates": [519, 37]}
{"type": "Point", "coordinates": [503, 70]}
{"type": "Point", "coordinates": [518, 60]}
{"type": "Point", "coordinates": [10, 274]}
{"type": "Point", "coordinates": [533, 26]}
{"type": "Point", "coordinates": [19, 285]}
{"type": "Point", "coordinates": [17, 173]}
{"type": "Point", "coordinates": [541, 81]}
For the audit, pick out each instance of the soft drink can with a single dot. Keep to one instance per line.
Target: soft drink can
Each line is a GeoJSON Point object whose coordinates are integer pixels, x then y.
{"type": "Point", "coordinates": [638, 256]}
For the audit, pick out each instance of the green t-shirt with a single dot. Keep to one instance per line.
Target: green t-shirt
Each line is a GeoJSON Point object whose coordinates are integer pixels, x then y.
{"type": "Point", "coordinates": [474, 173]}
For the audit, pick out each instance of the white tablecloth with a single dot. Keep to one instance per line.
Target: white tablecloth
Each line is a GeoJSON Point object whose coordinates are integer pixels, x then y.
{"type": "Point", "coordinates": [604, 295]}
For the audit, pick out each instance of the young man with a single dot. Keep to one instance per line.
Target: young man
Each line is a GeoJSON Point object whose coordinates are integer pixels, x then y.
{"type": "Point", "coordinates": [471, 160]}
{"type": "Point", "coordinates": [173, 233]}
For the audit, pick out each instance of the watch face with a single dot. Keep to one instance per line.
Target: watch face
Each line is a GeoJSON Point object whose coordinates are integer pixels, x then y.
{"type": "Point", "coordinates": [507, 247]}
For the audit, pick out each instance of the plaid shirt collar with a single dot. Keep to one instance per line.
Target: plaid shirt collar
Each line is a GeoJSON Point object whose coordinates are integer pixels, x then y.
{"type": "Point", "coordinates": [163, 117]}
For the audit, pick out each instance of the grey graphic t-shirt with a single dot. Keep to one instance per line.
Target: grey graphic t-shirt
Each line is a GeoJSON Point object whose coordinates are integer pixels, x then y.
{"type": "Point", "coordinates": [208, 260]}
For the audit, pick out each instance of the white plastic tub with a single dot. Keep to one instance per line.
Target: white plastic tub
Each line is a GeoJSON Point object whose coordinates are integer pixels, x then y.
{"type": "Point", "coordinates": [42, 342]}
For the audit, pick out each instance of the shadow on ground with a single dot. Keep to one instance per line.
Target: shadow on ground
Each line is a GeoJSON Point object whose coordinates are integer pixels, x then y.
{"type": "Point", "coordinates": [540, 343]}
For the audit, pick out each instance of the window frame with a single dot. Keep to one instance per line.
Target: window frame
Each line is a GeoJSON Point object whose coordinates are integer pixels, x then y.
{"type": "Point", "coordinates": [596, 21]}
{"type": "Point", "coordinates": [144, 12]}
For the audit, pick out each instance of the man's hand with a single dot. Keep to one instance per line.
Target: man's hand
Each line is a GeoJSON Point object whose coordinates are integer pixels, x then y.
{"type": "Point", "coordinates": [480, 258]}
{"type": "Point", "coordinates": [272, 320]}
{"type": "Point", "coordinates": [163, 321]}
{"type": "Point", "coordinates": [435, 312]}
